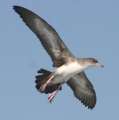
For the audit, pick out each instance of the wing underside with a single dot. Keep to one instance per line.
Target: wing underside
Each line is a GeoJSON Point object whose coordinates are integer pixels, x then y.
{"type": "Point", "coordinates": [83, 89]}
{"type": "Point", "coordinates": [47, 35]}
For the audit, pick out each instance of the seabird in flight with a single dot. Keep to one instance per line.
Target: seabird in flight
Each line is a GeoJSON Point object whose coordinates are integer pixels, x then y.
{"type": "Point", "coordinates": [67, 68]}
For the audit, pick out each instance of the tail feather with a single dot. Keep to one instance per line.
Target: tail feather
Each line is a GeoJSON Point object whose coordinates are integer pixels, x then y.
{"type": "Point", "coordinates": [42, 78]}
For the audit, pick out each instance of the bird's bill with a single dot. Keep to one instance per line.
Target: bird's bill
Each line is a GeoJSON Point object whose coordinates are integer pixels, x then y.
{"type": "Point", "coordinates": [99, 65]}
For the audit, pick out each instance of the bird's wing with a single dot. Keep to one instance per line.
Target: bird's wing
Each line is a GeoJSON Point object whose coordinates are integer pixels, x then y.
{"type": "Point", "coordinates": [47, 35]}
{"type": "Point", "coordinates": [83, 89]}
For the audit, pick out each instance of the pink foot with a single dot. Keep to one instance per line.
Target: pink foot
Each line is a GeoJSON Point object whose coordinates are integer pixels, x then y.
{"type": "Point", "coordinates": [52, 95]}
{"type": "Point", "coordinates": [43, 87]}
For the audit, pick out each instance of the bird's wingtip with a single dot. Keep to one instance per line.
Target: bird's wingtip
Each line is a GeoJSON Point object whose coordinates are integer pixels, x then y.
{"type": "Point", "coordinates": [15, 7]}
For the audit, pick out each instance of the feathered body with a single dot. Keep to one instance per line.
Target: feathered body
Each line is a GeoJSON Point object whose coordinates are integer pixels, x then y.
{"type": "Point", "coordinates": [68, 69]}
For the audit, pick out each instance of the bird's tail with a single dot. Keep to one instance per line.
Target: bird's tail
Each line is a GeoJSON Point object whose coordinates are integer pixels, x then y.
{"type": "Point", "coordinates": [41, 79]}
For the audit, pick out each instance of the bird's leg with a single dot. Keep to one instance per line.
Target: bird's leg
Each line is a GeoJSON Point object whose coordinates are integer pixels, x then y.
{"type": "Point", "coordinates": [45, 85]}
{"type": "Point", "coordinates": [53, 94]}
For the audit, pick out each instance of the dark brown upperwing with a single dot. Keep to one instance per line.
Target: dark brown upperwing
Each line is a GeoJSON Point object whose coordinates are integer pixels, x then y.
{"type": "Point", "coordinates": [83, 89]}
{"type": "Point", "coordinates": [49, 38]}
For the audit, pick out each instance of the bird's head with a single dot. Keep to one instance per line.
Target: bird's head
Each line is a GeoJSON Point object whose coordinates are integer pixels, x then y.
{"type": "Point", "coordinates": [90, 62]}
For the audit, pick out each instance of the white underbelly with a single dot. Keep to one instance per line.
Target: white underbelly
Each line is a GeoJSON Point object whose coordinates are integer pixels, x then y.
{"type": "Point", "coordinates": [65, 72]}
{"type": "Point", "coordinates": [68, 69]}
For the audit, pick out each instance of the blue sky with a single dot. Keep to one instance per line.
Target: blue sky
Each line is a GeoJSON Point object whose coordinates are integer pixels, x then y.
{"type": "Point", "coordinates": [89, 27]}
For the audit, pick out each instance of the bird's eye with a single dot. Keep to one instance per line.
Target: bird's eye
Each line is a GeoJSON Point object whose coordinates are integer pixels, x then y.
{"type": "Point", "coordinates": [95, 61]}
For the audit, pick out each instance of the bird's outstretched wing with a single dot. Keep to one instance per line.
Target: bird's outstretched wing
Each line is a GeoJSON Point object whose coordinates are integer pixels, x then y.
{"type": "Point", "coordinates": [83, 89]}
{"type": "Point", "coordinates": [46, 34]}
{"type": "Point", "coordinates": [59, 54]}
